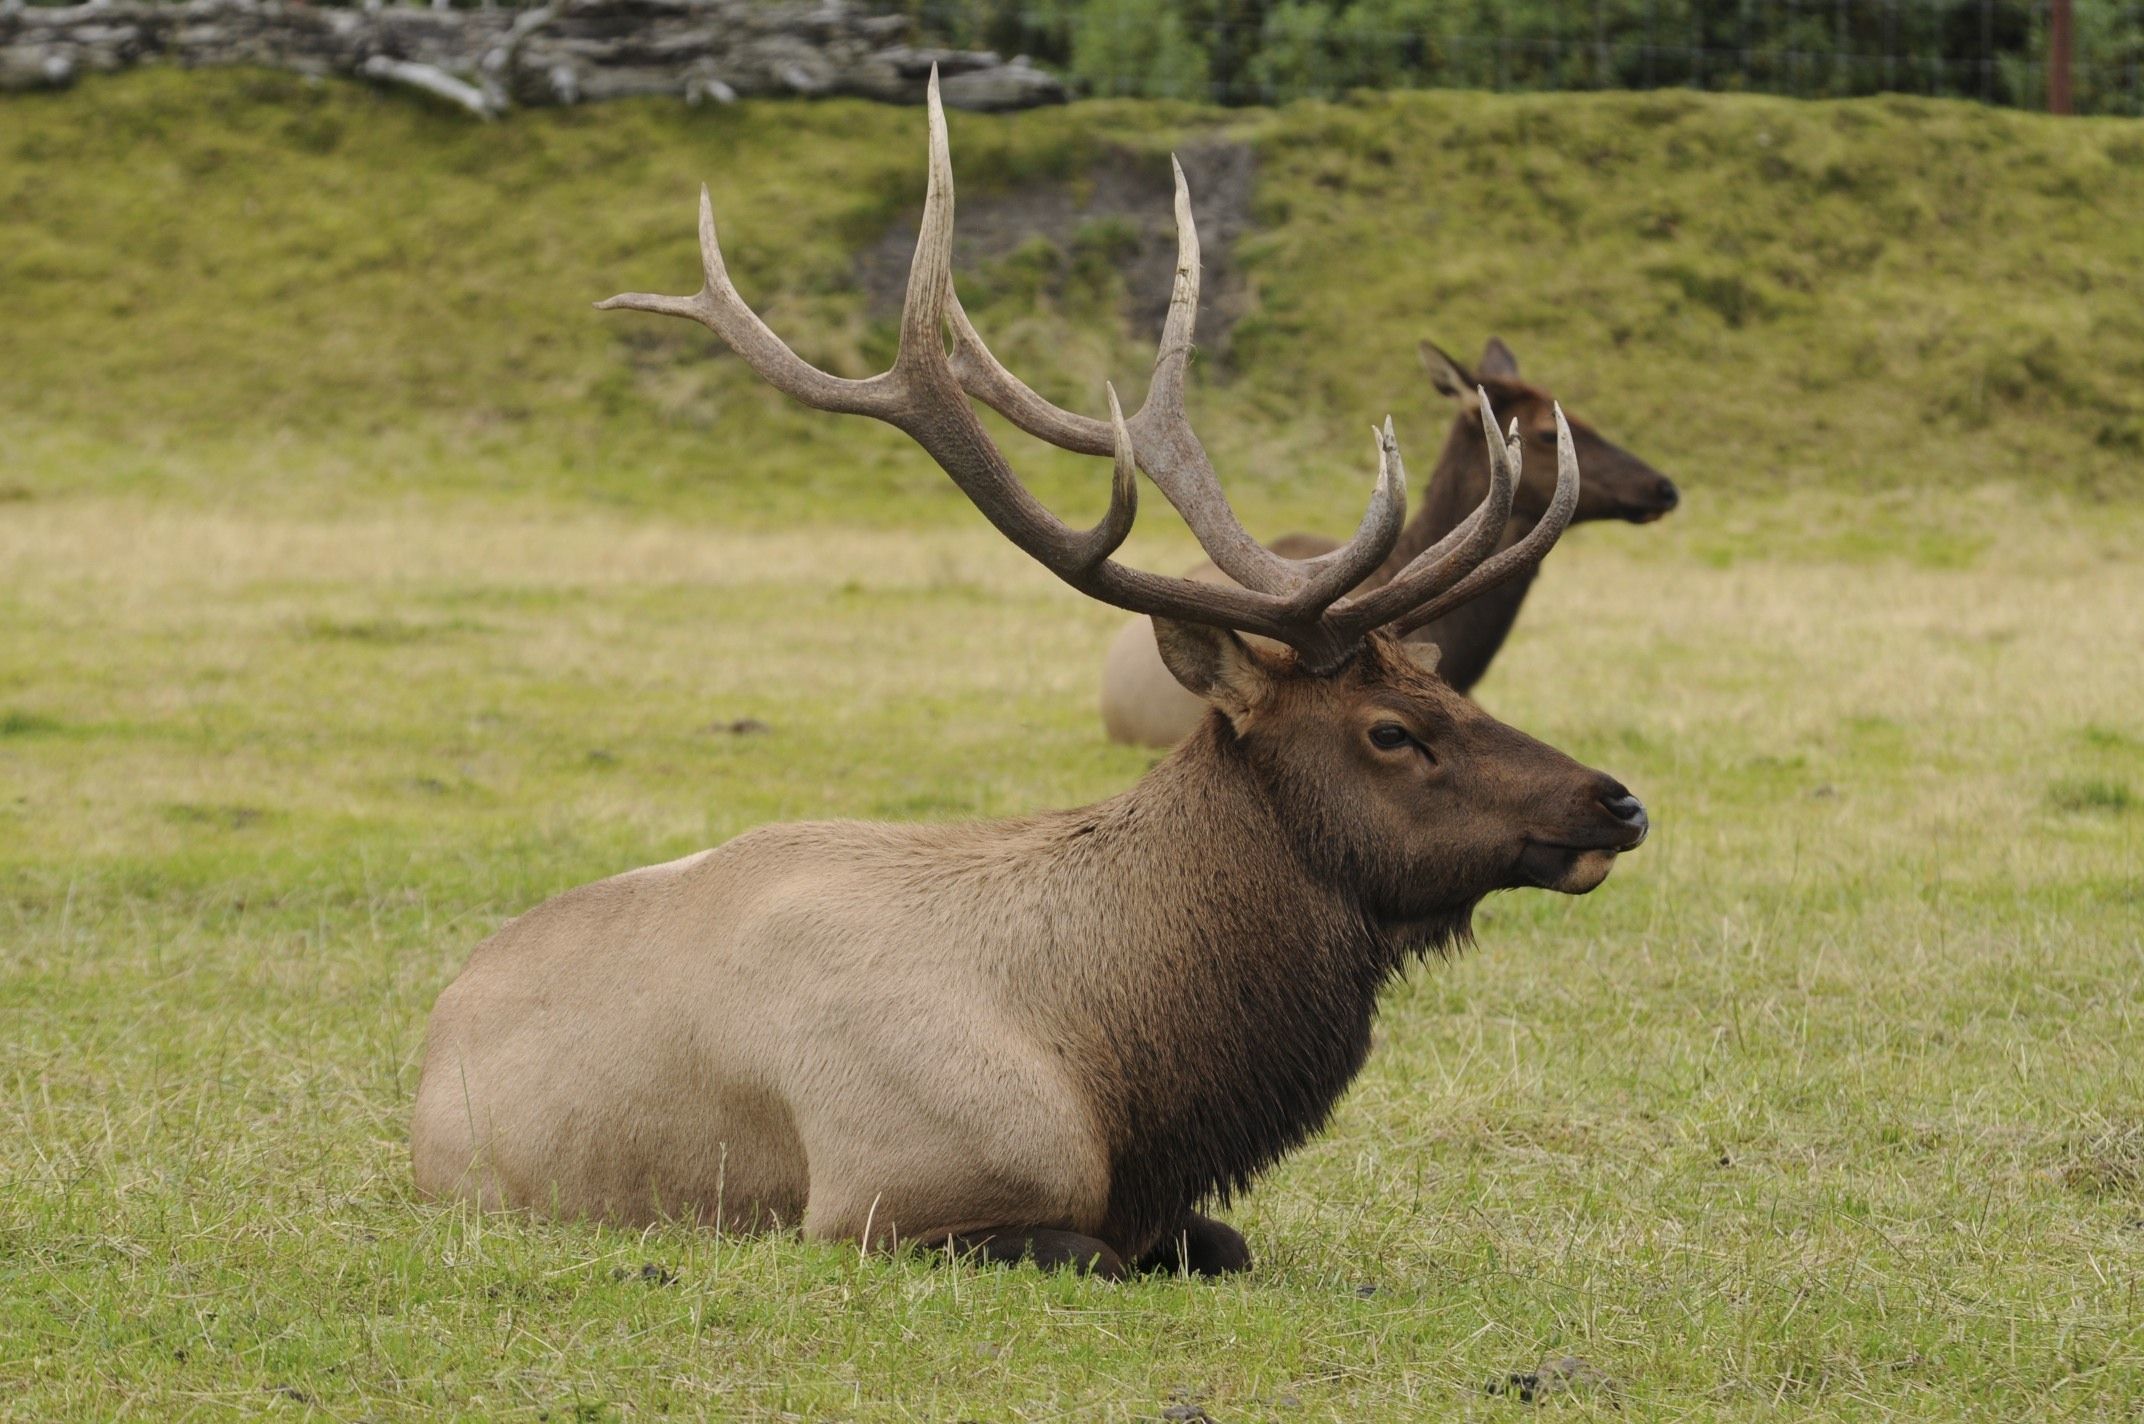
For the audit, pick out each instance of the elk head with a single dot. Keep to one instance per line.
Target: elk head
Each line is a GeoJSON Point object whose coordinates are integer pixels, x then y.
{"type": "Point", "coordinates": [1395, 785]}
{"type": "Point", "coordinates": [1618, 484]}
{"type": "Point", "coordinates": [1395, 782]}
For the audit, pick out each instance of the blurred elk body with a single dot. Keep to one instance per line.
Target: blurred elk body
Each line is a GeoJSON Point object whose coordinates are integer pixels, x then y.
{"type": "Point", "coordinates": [1050, 1038]}
{"type": "Point", "coordinates": [1142, 704]}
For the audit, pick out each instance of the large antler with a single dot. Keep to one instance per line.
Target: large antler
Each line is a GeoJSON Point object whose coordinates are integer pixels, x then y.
{"type": "Point", "coordinates": [1169, 450]}
{"type": "Point", "coordinates": [925, 394]}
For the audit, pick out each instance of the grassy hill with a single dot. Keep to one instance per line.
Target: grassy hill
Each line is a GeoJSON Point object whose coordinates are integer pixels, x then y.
{"type": "Point", "coordinates": [229, 282]}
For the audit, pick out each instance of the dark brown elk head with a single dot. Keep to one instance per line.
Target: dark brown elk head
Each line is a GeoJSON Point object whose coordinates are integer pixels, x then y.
{"type": "Point", "coordinates": [1618, 484]}
{"type": "Point", "coordinates": [1401, 786]}
{"type": "Point", "coordinates": [1397, 789]}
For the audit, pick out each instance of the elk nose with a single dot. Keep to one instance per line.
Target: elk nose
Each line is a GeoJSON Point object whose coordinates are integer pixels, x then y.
{"type": "Point", "coordinates": [1667, 494]}
{"type": "Point", "coordinates": [1626, 808]}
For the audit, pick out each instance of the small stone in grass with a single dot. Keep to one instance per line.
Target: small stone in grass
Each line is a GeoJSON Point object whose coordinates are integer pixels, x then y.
{"type": "Point", "coordinates": [649, 1271]}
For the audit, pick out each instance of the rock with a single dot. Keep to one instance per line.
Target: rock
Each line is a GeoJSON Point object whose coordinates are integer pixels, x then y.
{"type": "Point", "coordinates": [571, 51]}
{"type": "Point", "coordinates": [651, 1272]}
{"type": "Point", "coordinates": [1000, 88]}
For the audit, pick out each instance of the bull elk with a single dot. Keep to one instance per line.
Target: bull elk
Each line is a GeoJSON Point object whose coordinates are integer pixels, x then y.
{"type": "Point", "coordinates": [1053, 1038]}
{"type": "Point", "coordinates": [1144, 705]}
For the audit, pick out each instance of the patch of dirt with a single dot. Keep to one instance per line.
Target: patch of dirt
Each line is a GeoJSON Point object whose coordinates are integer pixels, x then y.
{"type": "Point", "coordinates": [1188, 1408]}
{"type": "Point", "coordinates": [1569, 1374]}
{"type": "Point", "coordinates": [1126, 190]}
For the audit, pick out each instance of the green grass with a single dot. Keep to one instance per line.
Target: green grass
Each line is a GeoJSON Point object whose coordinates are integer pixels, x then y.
{"type": "Point", "coordinates": [361, 589]}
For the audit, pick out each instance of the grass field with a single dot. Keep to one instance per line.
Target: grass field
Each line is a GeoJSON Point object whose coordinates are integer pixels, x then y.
{"type": "Point", "coordinates": [334, 630]}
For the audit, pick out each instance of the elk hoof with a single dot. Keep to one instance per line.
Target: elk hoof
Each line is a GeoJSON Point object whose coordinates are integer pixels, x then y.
{"type": "Point", "coordinates": [1050, 1249]}
{"type": "Point", "coordinates": [1202, 1246]}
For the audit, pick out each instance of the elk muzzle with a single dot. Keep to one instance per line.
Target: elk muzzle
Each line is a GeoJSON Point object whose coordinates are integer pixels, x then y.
{"type": "Point", "coordinates": [1659, 502]}
{"type": "Point", "coordinates": [1578, 857]}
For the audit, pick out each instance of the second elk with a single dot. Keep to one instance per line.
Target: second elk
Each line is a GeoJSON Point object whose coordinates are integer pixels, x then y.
{"type": "Point", "coordinates": [1143, 704]}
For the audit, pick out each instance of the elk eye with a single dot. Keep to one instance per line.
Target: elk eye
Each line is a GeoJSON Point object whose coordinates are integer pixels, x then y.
{"type": "Point", "coordinates": [1389, 736]}
{"type": "Point", "coordinates": [1546, 437]}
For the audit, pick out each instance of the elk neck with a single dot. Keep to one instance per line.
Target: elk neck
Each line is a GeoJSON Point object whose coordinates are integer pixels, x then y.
{"type": "Point", "coordinates": [1211, 976]}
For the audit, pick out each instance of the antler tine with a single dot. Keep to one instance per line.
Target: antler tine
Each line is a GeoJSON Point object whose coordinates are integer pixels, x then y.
{"type": "Point", "coordinates": [930, 271]}
{"type": "Point", "coordinates": [718, 307]}
{"type": "Point", "coordinates": [983, 376]}
{"type": "Point", "coordinates": [1179, 329]}
{"type": "Point", "coordinates": [1116, 524]}
{"type": "Point", "coordinates": [1457, 554]}
{"type": "Point", "coordinates": [1080, 558]}
{"type": "Point", "coordinates": [1335, 573]}
{"type": "Point", "coordinates": [1520, 556]}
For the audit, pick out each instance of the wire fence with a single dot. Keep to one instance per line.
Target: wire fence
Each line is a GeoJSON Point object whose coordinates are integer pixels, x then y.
{"type": "Point", "coordinates": [1274, 51]}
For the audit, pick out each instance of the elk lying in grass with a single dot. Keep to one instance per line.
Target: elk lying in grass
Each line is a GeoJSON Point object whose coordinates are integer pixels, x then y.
{"type": "Point", "coordinates": [1144, 705]}
{"type": "Point", "coordinates": [1057, 1037]}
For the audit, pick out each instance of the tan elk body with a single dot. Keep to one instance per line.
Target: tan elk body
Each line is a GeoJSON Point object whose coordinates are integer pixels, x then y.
{"type": "Point", "coordinates": [1146, 706]}
{"type": "Point", "coordinates": [1051, 1038]}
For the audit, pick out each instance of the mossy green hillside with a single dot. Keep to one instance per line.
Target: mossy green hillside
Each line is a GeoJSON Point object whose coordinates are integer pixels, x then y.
{"type": "Point", "coordinates": [226, 281]}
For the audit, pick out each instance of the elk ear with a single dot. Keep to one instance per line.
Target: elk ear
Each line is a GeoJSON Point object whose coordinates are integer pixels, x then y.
{"type": "Point", "coordinates": [1448, 376]}
{"type": "Point", "coordinates": [1426, 655]}
{"type": "Point", "coordinates": [1497, 360]}
{"type": "Point", "coordinates": [1213, 664]}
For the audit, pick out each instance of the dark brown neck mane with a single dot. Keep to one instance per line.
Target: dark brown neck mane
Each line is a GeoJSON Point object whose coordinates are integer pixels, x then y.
{"type": "Point", "coordinates": [1234, 1005]}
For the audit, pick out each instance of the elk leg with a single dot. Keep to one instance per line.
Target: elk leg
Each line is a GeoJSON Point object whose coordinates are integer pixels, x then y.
{"type": "Point", "coordinates": [1050, 1249]}
{"type": "Point", "coordinates": [1200, 1245]}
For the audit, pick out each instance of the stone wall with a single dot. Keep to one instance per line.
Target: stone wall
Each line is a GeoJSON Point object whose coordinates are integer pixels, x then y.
{"type": "Point", "coordinates": [489, 60]}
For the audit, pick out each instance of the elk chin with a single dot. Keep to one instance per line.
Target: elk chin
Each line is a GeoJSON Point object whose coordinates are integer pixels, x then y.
{"type": "Point", "coordinates": [1568, 870]}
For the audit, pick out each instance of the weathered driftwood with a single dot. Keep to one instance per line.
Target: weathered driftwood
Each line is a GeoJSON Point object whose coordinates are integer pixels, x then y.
{"type": "Point", "coordinates": [488, 60]}
{"type": "Point", "coordinates": [436, 82]}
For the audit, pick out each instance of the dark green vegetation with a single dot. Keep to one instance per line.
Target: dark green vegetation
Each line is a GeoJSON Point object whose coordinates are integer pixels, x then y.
{"type": "Point", "coordinates": [1262, 51]}
{"type": "Point", "coordinates": [359, 587]}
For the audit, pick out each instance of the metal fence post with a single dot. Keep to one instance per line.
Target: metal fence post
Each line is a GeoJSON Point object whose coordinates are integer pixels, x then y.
{"type": "Point", "coordinates": [2058, 57]}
